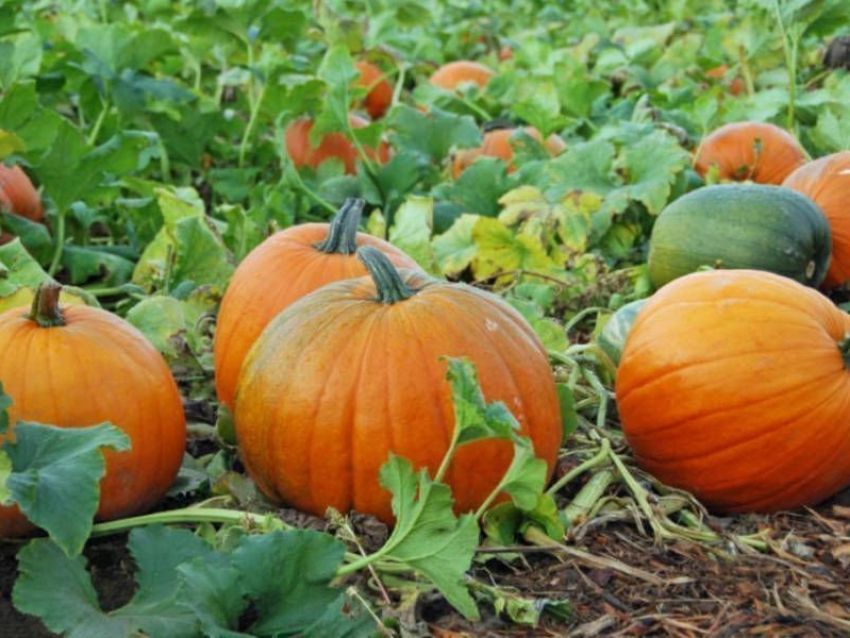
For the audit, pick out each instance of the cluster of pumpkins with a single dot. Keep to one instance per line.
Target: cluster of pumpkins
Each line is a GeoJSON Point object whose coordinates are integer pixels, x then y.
{"type": "Point", "coordinates": [733, 383]}
{"type": "Point", "coordinates": [330, 350]}
{"type": "Point", "coordinates": [379, 94]}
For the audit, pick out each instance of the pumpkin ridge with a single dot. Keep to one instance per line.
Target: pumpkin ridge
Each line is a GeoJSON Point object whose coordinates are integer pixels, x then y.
{"type": "Point", "coordinates": [352, 429]}
{"type": "Point", "coordinates": [689, 365]}
{"type": "Point", "coordinates": [272, 456]}
{"type": "Point", "coordinates": [774, 427]}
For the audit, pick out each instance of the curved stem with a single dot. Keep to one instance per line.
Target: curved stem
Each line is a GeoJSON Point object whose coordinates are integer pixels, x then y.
{"type": "Point", "coordinates": [342, 233]}
{"type": "Point", "coordinates": [45, 306]}
{"type": "Point", "coordinates": [391, 289]}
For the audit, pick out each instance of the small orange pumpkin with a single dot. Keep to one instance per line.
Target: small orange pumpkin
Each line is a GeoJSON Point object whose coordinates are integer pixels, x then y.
{"type": "Point", "coordinates": [450, 76]}
{"type": "Point", "coordinates": [303, 153]}
{"type": "Point", "coordinates": [735, 85]}
{"type": "Point", "coordinates": [757, 151]}
{"type": "Point", "coordinates": [277, 273]}
{"type": "Point", "coordinates": [353, 372]}
{"type": "Point", "coordinates": [734, 385]}
{"type": "Point", "coordinates": [497, 143]}
{"type": "Point", "coordinates": [827, 182]}
{"type": "Point", "coordinates": [18, 195]}
{"type": "Point", "coordinates": [380, 94]}
{"type": "Point", "coordinates": [78, 366]}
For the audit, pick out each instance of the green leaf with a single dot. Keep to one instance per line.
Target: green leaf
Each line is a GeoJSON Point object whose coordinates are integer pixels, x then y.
{"type": "Point", "coordinates": [19, 58]}
{"type": "Point", "coordinates": [56, 474]}
{"type": "Point", "coordinates": [287, 575]}
{"type": "Point", "coordinates": [479, 187]}
{"type": "Point", "coordinates": [456, 248]}
{"type": "Point", "coordinates": [57, 589]}
{"type": "Point", "coordinates": [338, 622]}
{"type": "Point", "coordinates": [159, 318]}
{"type": "Point", "coordinates": [5, 403]}
{"type": "Point", "coordinates": [500, 250]}
{"type": "Point", "coordinates": [411, 231]}
{"type": "Point", "coordinates": [652, 165]}
{"type": "Point", "coordinates": [428, 537]}
{"type": "Point", "coordinates": [475, 419]}
{"type": "Point", "coordinates": [213, 591]}
{"type": "Point", "coordinates": [432, 134]}
{"type": "Point", "coordinates": [85, 263]}
{"type": "Point", "coordinates": [584, 166]}
{"type": "Point", "coordinates": [526, 476]}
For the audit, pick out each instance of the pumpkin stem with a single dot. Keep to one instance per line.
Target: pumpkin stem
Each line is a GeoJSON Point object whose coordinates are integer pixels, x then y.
{"type": "Point", "coordinates": [45, 306]}
{"type": "Point", "coordinates": [342, 233]}
{"type": "Point", "coordinates": [844, 348]}
{"type": "Point", "coordinates": [391, 288]}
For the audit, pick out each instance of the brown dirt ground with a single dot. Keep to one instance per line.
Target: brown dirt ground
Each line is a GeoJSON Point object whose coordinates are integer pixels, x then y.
{"type": "Point", "coordinates": [802, 588]}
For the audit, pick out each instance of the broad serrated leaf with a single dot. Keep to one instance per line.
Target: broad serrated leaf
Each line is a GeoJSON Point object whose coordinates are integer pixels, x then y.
{"type": "Point", "coordinates": [287, 575]}
{"type": "Point", "coordinates": [343, 618]}
{"type": "Point", "coordinates": [432, 134]}
{"type": "Point", "coordinates": [584, 166]}
{"type": "Point", "coordinates": [501, 251]}
{"type": "Point", "coordinates": [652, 165]}
{"type": "Point", "coordinates": [411, 231]}
{"type": "Point", "coordinates": [479, 187]}
{"type": "Point", "coordinates": [213, 591]}
{"type": "Point", "coordinates": [427, 536]}
{"type": "Point", "coordinates": [476, 419]}
{"type": "Point", "coordinates": [526, 476]}
{"type": "Point", "coordinates": [56, 474]}
{"type": "Point", "coordinates": [456, 248]}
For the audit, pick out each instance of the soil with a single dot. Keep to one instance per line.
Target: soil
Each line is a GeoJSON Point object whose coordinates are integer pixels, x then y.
{"type": "Point", "coordinates": [800, 588]}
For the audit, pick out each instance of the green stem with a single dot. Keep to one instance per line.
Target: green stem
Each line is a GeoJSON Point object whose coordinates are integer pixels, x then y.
{"type": "Point", "coordinates": [388, 283]}
{"type": "Point", "coordinates": [300, 185]}
{"type": "Point", "coordinates": [588, 496]}
{"type": "Point", "coordinates": [447, 459]}
{"type": "Point", "coordinates": [252, 120]}
{"type": "Point", "coordinates": [98, 123]}
{"type": "Point", "coordinates": [60, 244]}
{"type": "Point", "coordinates": [598, 459]}
{"type": "Point", "coordinates": [361, 151]}
{"type": "Point", "coordinates": [45, 306]}
{"type": "Point", "coordinates": [185, 515]}
{"type": "Point", "coordinates": [789, 46]}
{"type": "Point", "coordinates": [342, 232]}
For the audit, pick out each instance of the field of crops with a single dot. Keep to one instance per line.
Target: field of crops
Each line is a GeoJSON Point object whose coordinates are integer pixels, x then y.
{"type": "Point", "coordinates": [424, 317]}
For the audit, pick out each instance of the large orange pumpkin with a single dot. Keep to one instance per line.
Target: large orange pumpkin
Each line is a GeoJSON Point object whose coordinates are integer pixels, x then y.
{"type": "Point", "coordinates": [354, 371]}
{"type": "Point", "coordinates": [78, 366]}
{"type": "Point", "coordinates": [303, 153]}
{"type": "Point", "coordinates": [277, 273]}
{"type": "Point", "coordinates": [18, 195]}
{"type": "Point", "coordinates": [734, 385]}
{"type": "Point", "coordinates": [757, 151]}
{"type": "Point", "coordinates": [450, 76]}
{"type": "Point", "coordinates": [498, 143]}
{"type": "Point", "coordinates": [380, 94]}
{"type": "Point", "coordinates": [827, 182]}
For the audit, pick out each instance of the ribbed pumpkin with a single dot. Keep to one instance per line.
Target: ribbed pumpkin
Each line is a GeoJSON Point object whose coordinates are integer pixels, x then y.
{"type": "Point", "coordinates": [380, 94]}
{"type": "Point", "coordinates": [303, 153]}
{"type": "Point", "coordinates": [77, 366]}
{"type": "Point", "coordinates": [450, 76]}
{"type": "Point", "coordinates": [18, 195]}
{"type": "Point", "coordinates": [755, 151]}
{"type": "Point", "coordinates": [353, 372]}
{"type": "Point", "coordinates": [498, 143]}
{"type": "Point", "coordinates": [277, 273]}
{"type": "Point", "coordinates": [827, 182]}
{"type": "Point", "coordinates": [734, 385]}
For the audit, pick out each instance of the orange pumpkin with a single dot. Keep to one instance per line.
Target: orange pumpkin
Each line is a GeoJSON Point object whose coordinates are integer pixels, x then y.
{"type": "Point", "coordinates": [755, 151]}
{"type": "Point", "coordinates": [78, 366]}
{"type": "Point", "coordinates": [353, 372]}
{"type": "Point", "coordinates": [734, 385]}
{"type": "Point", "coordinates": [735, 86]}
{"type": "Point", "coordinates": [18, 195]}
{"type": "Point", "coordinates": [303, 153]}
{"type": "Point", "coordinates": [827, 182]}
{"type": "Point", "coordinates": [498, 143]}
{"type": "Point", "coordinates": [277, 273]}
{"type": "Point", "coordinates": [450, 76]}
{"type": "Point", "coordinates": [380, 94]}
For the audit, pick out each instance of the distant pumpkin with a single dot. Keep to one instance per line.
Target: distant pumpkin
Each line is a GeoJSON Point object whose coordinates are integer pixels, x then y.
{"type": "Point", "coordinates": [380, 94]}
{"type": "Point", "coordinates": [757, 151]}
{"type": "Point", "coordinates": [18, 195]}
{"type": "Point", "coordinates": [303, 153]}
{"type": "Point", "coordinates": [498, 143]}
{"type": "Point", "coordinates": [450, 76]}
{"type": "Point", "coordinates": [827, 182]}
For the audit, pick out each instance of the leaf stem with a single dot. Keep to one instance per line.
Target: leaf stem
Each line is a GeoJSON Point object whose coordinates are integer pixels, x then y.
{"type": "Point", "coordinates": [98, 123]}
{"type": "Point", "coordinates": [598, 459]}
{"type": "Point", "coordinates": [59, 248]}
{"type": "Point", "coordinates": [186, 515]}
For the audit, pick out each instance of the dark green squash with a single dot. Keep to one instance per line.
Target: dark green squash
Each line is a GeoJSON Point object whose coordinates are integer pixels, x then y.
{"type": "Point", "coordinates": [734, 226]}
{"type": "Point", "coordinates": [616, 329]}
